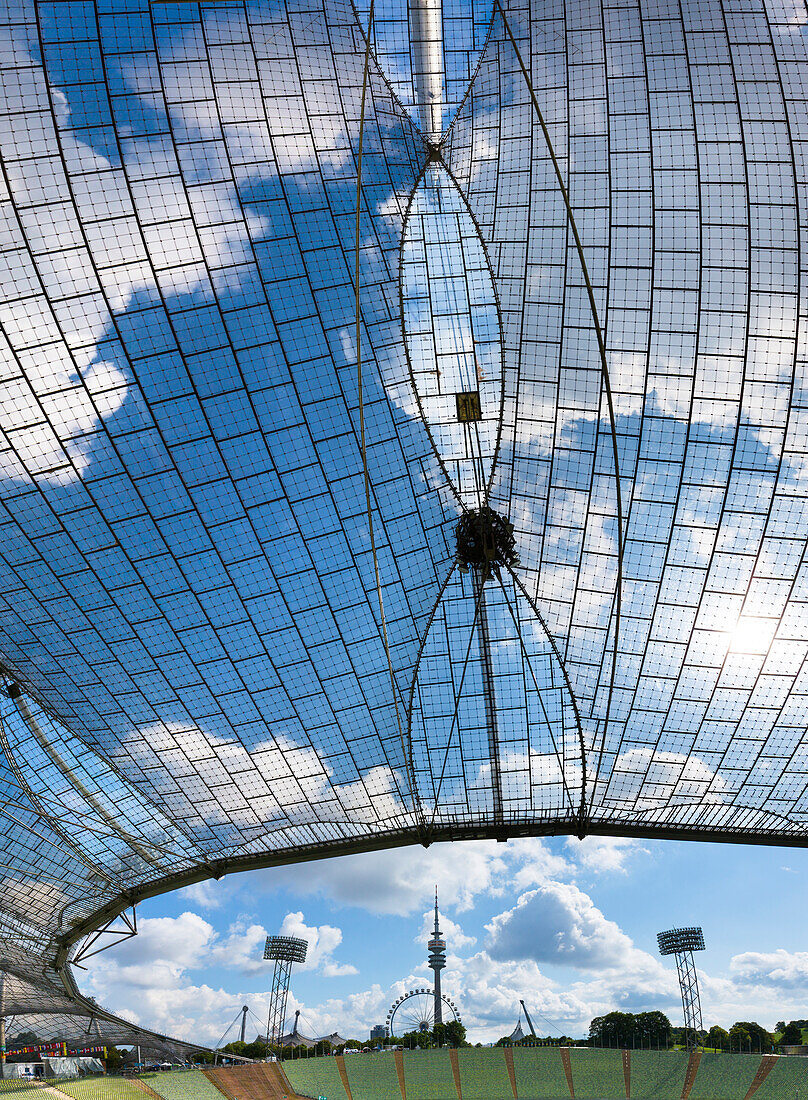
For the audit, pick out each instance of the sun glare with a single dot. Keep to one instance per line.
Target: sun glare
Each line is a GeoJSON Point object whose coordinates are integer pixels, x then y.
{"type": "Point", "coordinates": [751, 635]}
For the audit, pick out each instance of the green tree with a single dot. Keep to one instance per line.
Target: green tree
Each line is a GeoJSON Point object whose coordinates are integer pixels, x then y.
{"type": "Point", "coordinates": [756, 1037]}
{"type": "Point", "coordinates": [739, 1037]}
{"type": "Point", "coordinates": [791, 1034]}
{"type": "Point", "coordinates": [717, 1037]}
{"type": "Point", "coordinates": [651, 1029]}
{"type": "Point", "coordinates": [615, 1029]}
{"type": "Point", "coordinates": [114, 1059]}
{"type": "Point", "coordinates": [455, 1033]}
{"type": "Point", "coordinates": [236, 1047]}
{"type": "Point", "coordinates": [256, 1049]}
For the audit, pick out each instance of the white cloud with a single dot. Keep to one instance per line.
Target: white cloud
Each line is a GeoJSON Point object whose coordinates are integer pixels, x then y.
{"type": "Point", "coordinates": [558, 923]}
{"type": "Point", "coordinates": [158, 957]}
{"type": "Point", "coordinates": [209, 894]}
{"type": "Point", "coordinates": [243, 949]}
{"type": "Point", "coordinates": [534, 862]}
{"type": "Point", "coordinates": [605, 854]}
{"type": "Point", "coordinates": [72, 388]}
{"type": "Point", "coordinates": [779, 968]}
{"type": "Point", "coordinates": [403, 880]}
{"type": "Point", "coordinates": [323, 940]}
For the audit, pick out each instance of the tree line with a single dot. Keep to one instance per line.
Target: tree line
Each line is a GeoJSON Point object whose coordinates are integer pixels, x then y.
{"type": "Point", "coordinates": [654, 1031]}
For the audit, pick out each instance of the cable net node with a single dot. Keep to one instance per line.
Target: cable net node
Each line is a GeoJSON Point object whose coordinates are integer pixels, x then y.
{"type": "Point", "coordinates": [485, 540]}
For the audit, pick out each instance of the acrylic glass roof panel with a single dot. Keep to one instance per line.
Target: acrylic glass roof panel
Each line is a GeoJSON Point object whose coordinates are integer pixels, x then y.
{"type": "Point", "coordinates": [240, 426]}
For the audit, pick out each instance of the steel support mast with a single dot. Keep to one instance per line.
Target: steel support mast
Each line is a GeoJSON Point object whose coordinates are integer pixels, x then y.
{"type": "Point", "coordinates": [284, 951]}
{"type": "Point", "coordinates": [682, 942]}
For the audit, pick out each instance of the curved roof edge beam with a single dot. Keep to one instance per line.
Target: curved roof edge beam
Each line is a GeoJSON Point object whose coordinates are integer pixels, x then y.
{"type": "Point", "coordinates": [15, 694]}
{"type": "Point", "coordinates": [426, 54]}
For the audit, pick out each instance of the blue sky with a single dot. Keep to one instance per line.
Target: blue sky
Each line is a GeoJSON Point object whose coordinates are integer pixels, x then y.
{"type": "Point", "coordinates": [569, 926]}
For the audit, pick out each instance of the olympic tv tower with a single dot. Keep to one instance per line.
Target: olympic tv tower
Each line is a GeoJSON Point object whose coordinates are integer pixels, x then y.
{"type": "Point", "coordinates": [437, 960]}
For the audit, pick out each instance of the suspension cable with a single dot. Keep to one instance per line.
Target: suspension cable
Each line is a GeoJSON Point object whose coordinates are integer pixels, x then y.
{"type": "Point", "coordinates": [607, 386]}
{"type": "Point", "coordinates": [363, 446]}
{"type": "Point", "coordinates": [458, 696]}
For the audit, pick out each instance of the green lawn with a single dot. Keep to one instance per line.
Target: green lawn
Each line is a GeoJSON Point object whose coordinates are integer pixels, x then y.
{"type": "Point", "coordinates": [18, 1084]}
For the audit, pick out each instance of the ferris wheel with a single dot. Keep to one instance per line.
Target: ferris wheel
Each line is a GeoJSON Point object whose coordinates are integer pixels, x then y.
{"type": "Point", "coordinates": [415, 1011]}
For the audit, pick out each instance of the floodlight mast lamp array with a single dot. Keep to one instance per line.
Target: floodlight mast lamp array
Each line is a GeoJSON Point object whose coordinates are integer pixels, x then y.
{"type": "Point", "coordinates": [284, 951]}
{"type": "Point", "coordinates": [682, 942]}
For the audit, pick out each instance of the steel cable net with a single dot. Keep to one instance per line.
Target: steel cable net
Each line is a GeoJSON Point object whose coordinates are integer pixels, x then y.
{"type": "Point", "coordinates": [291, 292]}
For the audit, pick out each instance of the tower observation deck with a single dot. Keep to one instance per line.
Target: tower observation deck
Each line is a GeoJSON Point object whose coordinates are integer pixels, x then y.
{"type": "Point", "coordinates": [437, 960]}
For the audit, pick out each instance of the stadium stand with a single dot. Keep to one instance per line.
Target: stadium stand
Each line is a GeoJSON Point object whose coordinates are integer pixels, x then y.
{"type": "Point", "coordinates": [182, 1084]}
{"type": "Point", "coordinates": [788, 1079]}
{"type": "Point", "coordinates": [658, 1074]}
{"type": "Point", "coordinates": [428, 1075]}
{"type": "Point", "coordinates": [319, 1076]}
{"type": "Point", "coordinates": [100, 1088]}
{"type": "Point", "coordinates": [538, 1071]}
{"type": "Point", "coordinates": [539, 1074]}
{"type": "Point", "coordinates": [483, 1075]}
{"type": "Point", "coordinates": [597, 1073]}
{"type": "Point", "coordinates": [724, 1075]}
{"type": "Point", "coordinates": [260, 1081]}
{"type": "Point", "coordinates": [373, 1077]}
{"type": "Point", "coordinates": [20, 1086]}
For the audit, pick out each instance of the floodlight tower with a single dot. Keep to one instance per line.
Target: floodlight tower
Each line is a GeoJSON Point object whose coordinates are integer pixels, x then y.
{"type": "Point", "coordinates": [682, 942]}
{"type": "Point", "coordinates": [284, 951]}
{"type": "Point", "coordinates": [437, 960]}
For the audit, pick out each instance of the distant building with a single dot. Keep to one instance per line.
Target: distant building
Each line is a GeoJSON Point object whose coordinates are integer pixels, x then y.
{"type": "Point", "coordinates": [517, 1034]}
{"type": "Point", "coordinates": [378, 1032]}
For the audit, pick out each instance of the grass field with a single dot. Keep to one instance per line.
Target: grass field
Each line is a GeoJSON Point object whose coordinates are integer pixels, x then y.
{"type": "Point", "coordinates": [19, 1085]}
